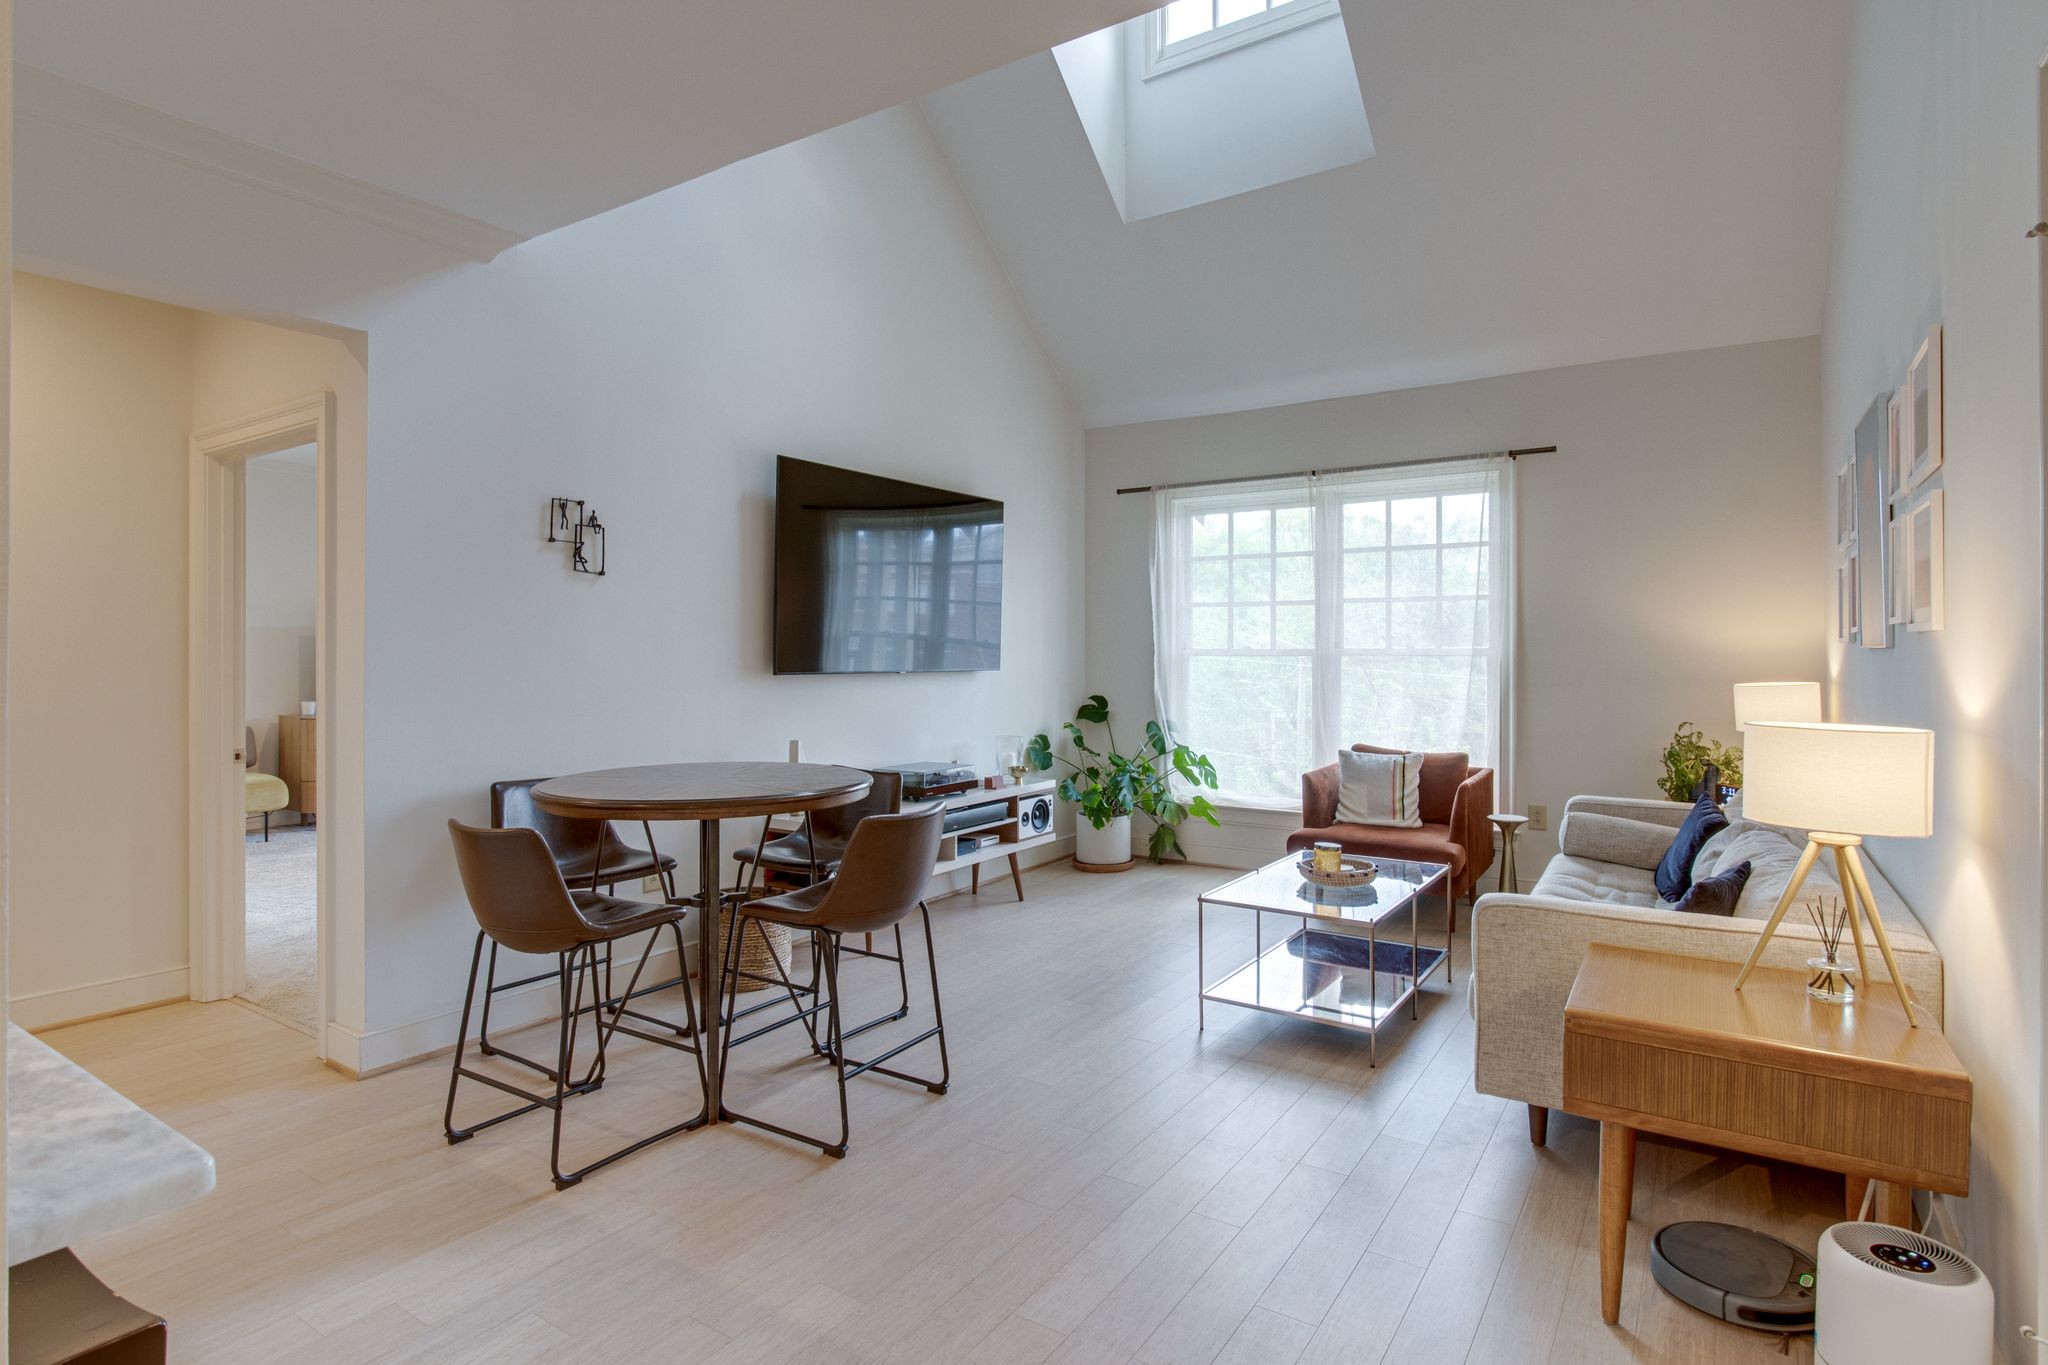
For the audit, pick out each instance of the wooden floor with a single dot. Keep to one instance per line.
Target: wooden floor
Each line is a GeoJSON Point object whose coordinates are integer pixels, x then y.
{"type": "Point", "coordinates": [1104, 1183]}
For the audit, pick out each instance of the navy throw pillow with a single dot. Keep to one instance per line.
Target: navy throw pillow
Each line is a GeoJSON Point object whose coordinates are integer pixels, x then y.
{"type": "Point", "coordinates": [1716, 895]}
{"type": "Point", "coordinates": [1674, 873]}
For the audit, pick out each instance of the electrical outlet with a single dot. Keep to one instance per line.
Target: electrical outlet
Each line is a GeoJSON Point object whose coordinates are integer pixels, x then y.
{"type": "Point", "coordinates": [1539, 817]}
{"type": "Point", "coordinates": [650, 884]}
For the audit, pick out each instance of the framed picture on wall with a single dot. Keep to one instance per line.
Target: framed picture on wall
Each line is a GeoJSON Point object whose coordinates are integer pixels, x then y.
{"type": "Point", "coordinates": [1871, 545]}
{"type": "Point", "coordinates": [1845, 506]}
{"type": "Point", "coordinates": [1900, 534]}
{"type": "Point", "coordinates": [1895, 447]}
{"type": "Point", "coordinates": [1924, 550]}
{"type": "Point", "coordinates": [1845, 596]}
{"type": "Point", "coordinates": [1923, 447]}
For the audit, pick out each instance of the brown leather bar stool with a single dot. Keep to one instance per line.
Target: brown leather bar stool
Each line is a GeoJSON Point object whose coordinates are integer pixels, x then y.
{"type": "Point", "coordinates": [580, 846]}
{"type": "Point", "coordinates": [591, 856]}
{"type": "Point", "coordinates": [810, 855]}
{"type": "Point", "coordinates": [516, 890]}
{"type": "Point", "coordinates": [881, 880]}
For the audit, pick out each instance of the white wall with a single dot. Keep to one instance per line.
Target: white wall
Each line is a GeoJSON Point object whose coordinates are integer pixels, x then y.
{"type": "Point", "coordinates": [833, 300]}
{"type": "Point", "coordinates": [241, 368]}
{"type": "Point", "coordinates": [102, 412]}
{"type": "Point", "coordinates": [1093, 69]}
{"type": "Point", "coordinates": [1665, 549]}
{"type": "Point", "coordinates": [1941, 175]}
{"type": "Point", "coordinates": [281, 605]}
{"type": "Point", "coordinates": [109, 389]}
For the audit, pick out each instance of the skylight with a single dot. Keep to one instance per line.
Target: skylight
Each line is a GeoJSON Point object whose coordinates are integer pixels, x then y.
{"type": "Point", "coordinates": [1193, 30]}
{"type": "Point", "coordinates": [1172, 129]}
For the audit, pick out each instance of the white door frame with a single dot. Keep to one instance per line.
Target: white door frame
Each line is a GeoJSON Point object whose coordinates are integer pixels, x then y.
{"type": "Point", "coordinates": [214, 652]}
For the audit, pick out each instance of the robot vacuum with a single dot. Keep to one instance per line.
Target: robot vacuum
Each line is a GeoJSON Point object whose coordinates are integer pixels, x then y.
{"type": "Point", "coordinates": [1735, 1275]}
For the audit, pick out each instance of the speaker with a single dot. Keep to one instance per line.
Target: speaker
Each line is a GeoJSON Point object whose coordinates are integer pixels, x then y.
{"type": "Point", "coordinates": [1034, 816]}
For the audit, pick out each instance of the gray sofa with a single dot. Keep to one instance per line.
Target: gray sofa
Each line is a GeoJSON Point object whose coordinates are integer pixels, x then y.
{"type": "Point", "coordinates": [1526, 949]}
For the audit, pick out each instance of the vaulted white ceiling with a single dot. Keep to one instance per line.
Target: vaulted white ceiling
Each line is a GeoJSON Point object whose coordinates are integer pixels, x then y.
{"type": "Point", "coordinates": [526, 115]}
{"type": "Point", "coordinates": [1553, 183]}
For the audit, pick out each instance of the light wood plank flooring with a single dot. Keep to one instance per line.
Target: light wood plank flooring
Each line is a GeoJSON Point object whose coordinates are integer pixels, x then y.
{"type": "Point", "coordinates": [1104, 1183]}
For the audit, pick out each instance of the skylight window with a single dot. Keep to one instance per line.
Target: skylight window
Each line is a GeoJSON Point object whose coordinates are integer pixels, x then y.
{"type": "Point", "coordinates": [1194, 30]}
{"type": "Point", "coordinates": [1270, 113]}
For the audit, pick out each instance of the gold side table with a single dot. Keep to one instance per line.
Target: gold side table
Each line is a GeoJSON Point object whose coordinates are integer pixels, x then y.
{"type": "Point", "coordinates": [1509, 826]}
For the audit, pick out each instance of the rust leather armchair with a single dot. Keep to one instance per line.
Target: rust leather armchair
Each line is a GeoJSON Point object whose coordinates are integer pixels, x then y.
{"type": "Point", "coordinates": [1456, 799]}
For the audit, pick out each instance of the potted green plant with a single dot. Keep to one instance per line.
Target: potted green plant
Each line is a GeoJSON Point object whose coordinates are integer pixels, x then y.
{"type": "Point", "coordinates": [1686, 758]}
{"type": "Point", "coordinates": [1110, 787]}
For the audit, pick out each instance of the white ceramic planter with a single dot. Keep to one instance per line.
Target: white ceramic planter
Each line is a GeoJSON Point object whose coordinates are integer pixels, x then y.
{"type": "Point", "coordinates": [1109, 846]}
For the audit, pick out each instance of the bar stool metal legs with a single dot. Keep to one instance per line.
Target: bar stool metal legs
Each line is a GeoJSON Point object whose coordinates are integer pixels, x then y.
{"type": "Point", "coordinates": [576, 970]}
{"type": "Point", "coordinates": [829, 948]}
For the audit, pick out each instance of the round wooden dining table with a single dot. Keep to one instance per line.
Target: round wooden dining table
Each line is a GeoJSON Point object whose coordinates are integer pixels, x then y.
{"type": "Point", "coordinates": [706, 793]}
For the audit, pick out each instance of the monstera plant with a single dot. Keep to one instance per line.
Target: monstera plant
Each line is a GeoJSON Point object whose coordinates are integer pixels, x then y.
{"type": "Point", "coordinates": [1110, 786]}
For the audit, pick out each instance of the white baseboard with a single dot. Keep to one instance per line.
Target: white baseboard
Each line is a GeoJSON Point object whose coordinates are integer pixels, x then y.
{"type": "Point", "coordinates": [1249, 837]}
{"type": "Point", "coordinates": [72, 1004]}
{"type": "Point", "coordinates": [366, 1053]}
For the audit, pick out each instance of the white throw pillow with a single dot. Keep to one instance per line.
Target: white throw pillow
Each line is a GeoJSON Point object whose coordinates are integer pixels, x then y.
{"type": "Point", "coordinates": [1379, 789]}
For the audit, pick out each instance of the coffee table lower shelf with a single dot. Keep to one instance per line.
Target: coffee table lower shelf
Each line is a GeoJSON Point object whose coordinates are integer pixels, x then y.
{"type": "Point", "coordinates": [1342, 979]}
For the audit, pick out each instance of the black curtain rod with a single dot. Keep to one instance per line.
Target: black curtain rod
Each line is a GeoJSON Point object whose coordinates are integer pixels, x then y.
{"type": "Point", "coordinates": [1346, 469]}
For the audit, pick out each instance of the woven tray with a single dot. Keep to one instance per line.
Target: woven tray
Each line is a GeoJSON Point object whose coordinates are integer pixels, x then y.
{"type": "Point", "coordinates": [1357, 871]}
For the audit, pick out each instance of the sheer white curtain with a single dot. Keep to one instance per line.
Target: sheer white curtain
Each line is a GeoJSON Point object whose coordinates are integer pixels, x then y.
{"type": "Point", "coordinates": [1295, 616]}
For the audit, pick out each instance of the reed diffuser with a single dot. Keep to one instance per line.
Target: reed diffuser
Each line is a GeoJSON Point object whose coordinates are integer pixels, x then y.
{"type": "Point", "coordinates": [1831, 979]}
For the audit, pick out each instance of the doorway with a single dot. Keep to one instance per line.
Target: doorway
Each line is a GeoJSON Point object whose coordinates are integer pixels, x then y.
{"type": "Point", "coordinates": [280, 704]}
{"type": "Point", "coordinates": [260, 925]}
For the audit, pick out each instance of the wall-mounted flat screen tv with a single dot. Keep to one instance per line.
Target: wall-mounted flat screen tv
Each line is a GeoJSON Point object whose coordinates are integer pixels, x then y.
{"type": "Point", "coordinates": [876, 575]}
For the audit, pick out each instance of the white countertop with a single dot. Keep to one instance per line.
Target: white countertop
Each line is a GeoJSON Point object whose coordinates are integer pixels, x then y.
{"type": "Point", "coordinates": [83, 1161]}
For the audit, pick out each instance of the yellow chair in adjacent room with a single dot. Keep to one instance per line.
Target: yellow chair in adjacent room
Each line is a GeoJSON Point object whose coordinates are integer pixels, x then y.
{"type": "Point", "coordinates": [262, 793]}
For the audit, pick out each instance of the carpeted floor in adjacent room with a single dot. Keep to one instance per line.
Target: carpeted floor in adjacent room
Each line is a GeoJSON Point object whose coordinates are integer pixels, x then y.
{"type": "Point", "coordinates": [282, 909]}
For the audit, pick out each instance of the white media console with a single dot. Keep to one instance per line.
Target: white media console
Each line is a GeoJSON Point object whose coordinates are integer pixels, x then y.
{"type": "Point", "coordinates": [1006, 833]}
{"type": "Point", "coordinates": [1012, 830]}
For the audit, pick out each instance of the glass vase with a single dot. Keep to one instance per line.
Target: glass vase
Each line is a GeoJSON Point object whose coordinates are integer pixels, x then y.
{"type": "Point", "coordinates": [1011, 763]}
{"type": "Point", "coordinates": [1831, 979]}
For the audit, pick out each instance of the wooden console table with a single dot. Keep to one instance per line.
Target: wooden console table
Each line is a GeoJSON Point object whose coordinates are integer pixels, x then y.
{"type": "Point", "coordinates": [1662, 1044]}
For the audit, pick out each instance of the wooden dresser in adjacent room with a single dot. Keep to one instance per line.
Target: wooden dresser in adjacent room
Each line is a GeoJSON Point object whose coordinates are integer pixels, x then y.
{"type": "Point", "coordinates": [298, 764]}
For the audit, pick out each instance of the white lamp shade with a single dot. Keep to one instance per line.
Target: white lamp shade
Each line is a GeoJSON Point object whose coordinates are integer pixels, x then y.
{"type": "Point", "coordinates": [1776, 701]}
{"type": "Point", "coordinates": [1839, 779]}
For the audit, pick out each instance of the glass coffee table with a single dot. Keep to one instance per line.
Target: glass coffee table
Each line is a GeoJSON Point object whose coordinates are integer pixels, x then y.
{"type": "Point", "coordinates": [1333, 966]}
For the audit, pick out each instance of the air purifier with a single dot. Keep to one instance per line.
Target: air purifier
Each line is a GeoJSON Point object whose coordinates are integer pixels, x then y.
{"type": "Point", "coordinates": [1885, 1293]}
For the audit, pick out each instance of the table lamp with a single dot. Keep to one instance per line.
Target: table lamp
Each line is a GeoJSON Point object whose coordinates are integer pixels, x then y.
{"type": "Point", "coordinates": [1839, 782]}
{"type": "Point", "coordinates": [1776, 701]}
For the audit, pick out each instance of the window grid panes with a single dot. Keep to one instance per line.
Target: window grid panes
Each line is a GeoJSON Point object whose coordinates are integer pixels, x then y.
{"type": "Point", "coordinates": [1184, 21]}
{"type": "Point", "coordinates": [1252, 634]}
{"type": "Point", "coordinates": [1309, 617]}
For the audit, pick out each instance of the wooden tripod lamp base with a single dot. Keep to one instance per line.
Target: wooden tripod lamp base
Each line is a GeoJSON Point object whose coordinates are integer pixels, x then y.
{"type": "Point", "coordinates": [1873, 779]}
{"type": "Point", "coordinates": [1862, 910]}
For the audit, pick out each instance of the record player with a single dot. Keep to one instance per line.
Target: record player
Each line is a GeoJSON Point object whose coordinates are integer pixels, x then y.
{"type": "Point", "coordinates": [923, 781]}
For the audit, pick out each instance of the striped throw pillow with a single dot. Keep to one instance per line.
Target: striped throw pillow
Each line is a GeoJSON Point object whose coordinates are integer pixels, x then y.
{"type": "Point", "coordinates": [1379, 789]}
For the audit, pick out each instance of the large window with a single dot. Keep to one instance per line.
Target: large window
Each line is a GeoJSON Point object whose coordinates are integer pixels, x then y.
{"type": "Point", "coordinates": [1295, 616]}
{"type": "Point", "coordinates": [1191, 30]}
